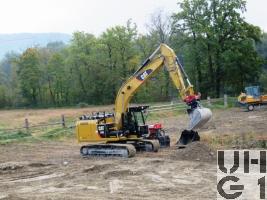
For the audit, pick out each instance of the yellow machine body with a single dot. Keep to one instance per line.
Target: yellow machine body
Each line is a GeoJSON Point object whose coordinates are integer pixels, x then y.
{"type": "Point", "coordinates": [252, 97]}
{"type": "Point", "coordinates": [87, 131]}
{"type": "Point", "coordinates": [91, 131]}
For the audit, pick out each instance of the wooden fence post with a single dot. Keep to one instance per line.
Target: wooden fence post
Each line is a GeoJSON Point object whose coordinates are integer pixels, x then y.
{"type": "Point", "coordinates": [26, 124]}
{"type": "Point", "coordinates": [208, 99]}
{"type": "Point", "coordinates": [225, 100]}
{"type": "Point", "coordinates": [63, 121]}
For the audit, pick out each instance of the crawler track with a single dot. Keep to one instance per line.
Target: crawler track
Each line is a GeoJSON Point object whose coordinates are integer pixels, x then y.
{"type": "Point", "coordinates": [152, 145]}
{"type": "Point", "coordinates": [119, 150]}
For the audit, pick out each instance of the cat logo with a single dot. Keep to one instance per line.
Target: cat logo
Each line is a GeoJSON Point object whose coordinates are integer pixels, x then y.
{"type": "Point", "coordinates": [143, 75]}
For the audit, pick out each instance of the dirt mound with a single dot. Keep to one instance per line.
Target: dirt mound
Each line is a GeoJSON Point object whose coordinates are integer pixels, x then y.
{"type": "Point", "coordinates": [196, 151]}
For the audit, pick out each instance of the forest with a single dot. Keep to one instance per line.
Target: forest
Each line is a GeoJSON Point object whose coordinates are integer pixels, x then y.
{"type": "Point", "coordinates": [220, 51]}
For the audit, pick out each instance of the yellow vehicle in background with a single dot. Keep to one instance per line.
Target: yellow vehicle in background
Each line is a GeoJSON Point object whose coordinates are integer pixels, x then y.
{"type": "Point", "coordinates": [252, 97]}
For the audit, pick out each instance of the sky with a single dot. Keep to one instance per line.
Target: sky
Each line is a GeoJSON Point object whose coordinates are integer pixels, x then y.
{"type": "Point", "coordinates": [95, 16]}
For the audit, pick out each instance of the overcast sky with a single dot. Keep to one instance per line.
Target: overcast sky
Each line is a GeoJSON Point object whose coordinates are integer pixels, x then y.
{"type": "Point", "coordinates": [94, 16]}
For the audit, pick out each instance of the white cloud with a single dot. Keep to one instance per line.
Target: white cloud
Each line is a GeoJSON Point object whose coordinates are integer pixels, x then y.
{"type": "Point", "coordinates": [256, 13]}
{"type": "Point", "coordinates": [71, 15]}
{"type": "Point", "coordinates": [93, 15]}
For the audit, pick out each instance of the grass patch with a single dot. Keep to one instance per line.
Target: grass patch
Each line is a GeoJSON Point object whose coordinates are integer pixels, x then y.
{"type": "Point", "coordinates": [165, 114]}
{"type": "Point", "coordinates": [219, 103]}
{"type": "Point", "coordinates": [15, 136]}
{"type": "Point", "coordinates": [236, 141]}
{"type": "Point", "coordinates": [57, 133]}
{"type": "Point", "coordinates": [31, 136]}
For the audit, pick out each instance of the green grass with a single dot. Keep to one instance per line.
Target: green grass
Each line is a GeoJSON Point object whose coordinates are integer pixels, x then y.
{"type": "Point", "coordinates": [55, 133]}
{"type": "Point", "coordinates": [239, 141]}
{"type": "Point", "coordinates": [164, 114]}
{"type": "Point", "coordinates": [14, 135]}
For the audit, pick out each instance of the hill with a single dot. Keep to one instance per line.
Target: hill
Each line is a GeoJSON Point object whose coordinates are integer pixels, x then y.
{"type": "Point", "coordinates": [18, 42]}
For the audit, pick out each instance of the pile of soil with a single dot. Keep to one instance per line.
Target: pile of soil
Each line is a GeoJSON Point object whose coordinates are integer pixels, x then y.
{"type": "Point", "coordinates": [196, 151]}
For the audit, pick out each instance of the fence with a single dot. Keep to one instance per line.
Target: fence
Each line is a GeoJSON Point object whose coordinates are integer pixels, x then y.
{"type": "Point", "coordinates": [171, 106]}
{"type": "Point", "coordinates": [33, 128]}
{"type": "Point", "coordinates": [221, 102]}
{"type": "Point", "coordinates": [29, 130]}
{"type": "Point", "coordinates": [27, 125]}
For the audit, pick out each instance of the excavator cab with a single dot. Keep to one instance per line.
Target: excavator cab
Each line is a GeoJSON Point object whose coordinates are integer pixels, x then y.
{"type": "Point", "coordinates": [135, 124]}
{"type": "Point", "coordinates": [134, 121]}
{"type": "Point", "coordinates": [253, 91]}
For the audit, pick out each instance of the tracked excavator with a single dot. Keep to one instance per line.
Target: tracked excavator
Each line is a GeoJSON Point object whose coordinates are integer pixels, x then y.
{"type": "Point", "coordinates": [123, 132]}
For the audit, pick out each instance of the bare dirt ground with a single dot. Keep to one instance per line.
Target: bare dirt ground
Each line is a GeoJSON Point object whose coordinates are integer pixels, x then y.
{"type": "Point", "coordinates": [55, 170]}
{"type": "Point", "coordinates": [224, 123]}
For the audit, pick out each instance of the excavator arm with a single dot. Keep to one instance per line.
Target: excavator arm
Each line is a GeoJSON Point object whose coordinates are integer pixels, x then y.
{"type": "Point", "coordinates": [162, 56]}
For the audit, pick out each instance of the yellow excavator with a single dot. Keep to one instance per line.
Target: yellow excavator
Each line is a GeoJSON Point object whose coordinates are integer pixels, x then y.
{"type": "Point", "coordinates": [123, 132]}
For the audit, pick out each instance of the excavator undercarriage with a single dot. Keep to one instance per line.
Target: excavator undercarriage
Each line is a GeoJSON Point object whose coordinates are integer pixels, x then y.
{"type": "Point", "coordinates": [120, 150]}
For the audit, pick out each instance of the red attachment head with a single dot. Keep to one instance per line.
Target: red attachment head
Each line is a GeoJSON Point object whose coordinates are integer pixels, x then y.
{"type": "Point", "coordinates": [155, 126]}
{"type": "Point", "coordinates": [190, 98]}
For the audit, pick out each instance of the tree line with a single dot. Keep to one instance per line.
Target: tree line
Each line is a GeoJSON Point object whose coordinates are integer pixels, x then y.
{"type": "Point", "coordinates": [221, 52]}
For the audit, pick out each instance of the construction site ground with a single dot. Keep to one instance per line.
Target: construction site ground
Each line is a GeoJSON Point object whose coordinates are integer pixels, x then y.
{"type": "Point", "coordinates": [55, 169]}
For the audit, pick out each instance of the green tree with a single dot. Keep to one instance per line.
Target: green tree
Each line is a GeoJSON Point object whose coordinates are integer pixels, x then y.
{"type": "Point", "coordinates": [216, 32]}
{"type": "Point", "coordinates": [8, 79]}
{"type": "Point", "coordinates": [29, 75]}
{"type": "Point", "coordinates": [80, 63]}
{"type": "Point", "coordinates": [120, 56]}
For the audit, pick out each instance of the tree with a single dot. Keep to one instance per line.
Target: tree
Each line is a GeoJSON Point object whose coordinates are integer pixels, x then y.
{"type": "Point", "coordinates": [216, 31]}
{"type": "Point", "coordinates": [29, 75]}
{"type": "Point", "coordinates": [81, 63]}
{"type": "Point", "coordinates": [120, 56]}
{"type": "Point", "coordinates": [160, 26]}
{"type": "Point", "coordinates": [160, 31]}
